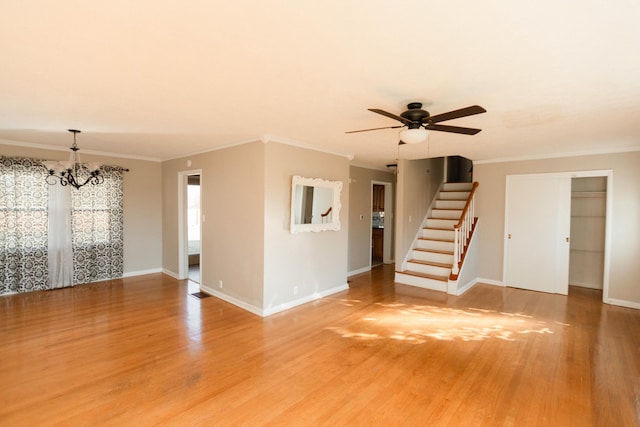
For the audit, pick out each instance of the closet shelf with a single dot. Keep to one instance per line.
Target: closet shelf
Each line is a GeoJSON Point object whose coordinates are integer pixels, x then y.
{"type": "Point", "coordinates": [595, 251]}
{"type": "Point", "coordinates": [578, 194]}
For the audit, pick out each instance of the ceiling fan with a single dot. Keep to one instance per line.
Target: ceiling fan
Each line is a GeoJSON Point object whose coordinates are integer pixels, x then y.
{"type": "Point", "coordinates": [417, 121]}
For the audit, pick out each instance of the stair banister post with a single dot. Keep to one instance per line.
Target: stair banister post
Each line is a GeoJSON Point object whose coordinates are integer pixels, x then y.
{"type": "Point", "coordinates": [456, 251]}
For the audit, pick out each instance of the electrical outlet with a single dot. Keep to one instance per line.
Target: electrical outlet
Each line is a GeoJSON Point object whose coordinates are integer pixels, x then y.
{"type": "Point", "coordinates": [295, 290]}
{"type": "Point", "coordinates": [220, 284]}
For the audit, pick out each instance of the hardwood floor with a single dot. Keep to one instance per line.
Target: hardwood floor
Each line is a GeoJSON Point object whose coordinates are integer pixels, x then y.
{"type": "Point", "coordinates": [141, 351]}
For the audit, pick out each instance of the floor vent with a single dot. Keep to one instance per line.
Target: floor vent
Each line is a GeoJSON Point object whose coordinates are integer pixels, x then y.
{"type": "Point", "coordinates": [200, 295]}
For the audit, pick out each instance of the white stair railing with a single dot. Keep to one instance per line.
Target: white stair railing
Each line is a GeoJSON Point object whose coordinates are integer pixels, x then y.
{"type": "Point", "coordinates": [462, 231]}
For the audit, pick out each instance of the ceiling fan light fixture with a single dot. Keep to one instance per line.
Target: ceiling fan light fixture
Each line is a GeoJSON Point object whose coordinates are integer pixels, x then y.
{"type": "Point", "coordinates": [413, 136]}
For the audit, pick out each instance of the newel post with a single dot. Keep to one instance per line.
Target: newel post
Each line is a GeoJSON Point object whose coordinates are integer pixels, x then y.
{"type": "Point", "coordinates": [456, 250]}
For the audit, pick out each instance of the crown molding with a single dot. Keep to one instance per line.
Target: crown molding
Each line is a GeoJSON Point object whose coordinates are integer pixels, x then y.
{"type": "Point", "coordinates": [556, 155]}
{"type": "Point", "coordinates": [84, 151]}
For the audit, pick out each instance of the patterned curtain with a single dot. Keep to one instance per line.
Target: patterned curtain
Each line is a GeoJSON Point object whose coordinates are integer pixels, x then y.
{"type": "Point", "coordinates": [97, 227]}
{"type": "Point", "coordinates": [23, 225]}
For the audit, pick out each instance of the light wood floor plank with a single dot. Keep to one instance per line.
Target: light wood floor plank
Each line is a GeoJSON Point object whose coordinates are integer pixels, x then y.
{"type": "Point", "coordinates": [141, 351]}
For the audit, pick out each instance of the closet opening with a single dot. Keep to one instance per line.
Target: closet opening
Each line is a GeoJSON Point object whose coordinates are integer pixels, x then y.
{"type": "Point", "coordinates": [588, 231]}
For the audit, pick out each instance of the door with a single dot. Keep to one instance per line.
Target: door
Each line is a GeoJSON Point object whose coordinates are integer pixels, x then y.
{"type": "Point", "coordinates": [537, 229]}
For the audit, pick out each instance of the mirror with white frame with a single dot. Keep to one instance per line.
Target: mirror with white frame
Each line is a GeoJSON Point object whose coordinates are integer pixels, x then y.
{"type": "Point", "coordinates": [315, 204]}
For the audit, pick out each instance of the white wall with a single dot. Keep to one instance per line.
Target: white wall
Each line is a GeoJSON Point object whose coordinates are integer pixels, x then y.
{"type": "Point", "coordinates": [625, 233]}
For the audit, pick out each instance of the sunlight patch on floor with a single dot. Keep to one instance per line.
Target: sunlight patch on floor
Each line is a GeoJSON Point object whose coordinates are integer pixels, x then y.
{"type": "Point", "coordinates": [416, 324]}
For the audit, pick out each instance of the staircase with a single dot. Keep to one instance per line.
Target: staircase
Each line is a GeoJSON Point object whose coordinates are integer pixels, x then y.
{"type": "Point", "coordinates": [431, 259]}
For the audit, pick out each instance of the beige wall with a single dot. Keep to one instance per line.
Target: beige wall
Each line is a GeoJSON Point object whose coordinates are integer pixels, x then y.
{"type": "Point", "coordinates": [232, 191]}
{"type": "Point", "coordinates": [142, 204]}
{"type": "Point", "coordinates": [360, 204]}
{"type": "Point", "coordinates": [417, 185]}
{"type": "Point", "coordinates": [625, 232]}
{"type": "Point", "coordinates": [246, 243]}
{"type": "Point", "coordinates": [312, 262]}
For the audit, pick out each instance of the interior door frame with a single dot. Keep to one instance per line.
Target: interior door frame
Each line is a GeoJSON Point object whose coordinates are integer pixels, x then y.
{"type": "Point", "coordinates": [608, 173]}
{"type": "Point", "coordinates": [183, 244]}
{"type": "Point", "coordinates": [387, 234]}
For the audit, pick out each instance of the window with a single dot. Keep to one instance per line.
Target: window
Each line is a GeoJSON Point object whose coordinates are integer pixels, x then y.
{"type": "Point", "coordinates": [96, 227]}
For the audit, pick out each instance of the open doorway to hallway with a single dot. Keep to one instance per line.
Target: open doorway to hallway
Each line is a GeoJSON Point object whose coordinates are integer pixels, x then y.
{"type": "Point", "coordinates": [193, 227]}
{"type": "Point", "coordinates": [189, 230]}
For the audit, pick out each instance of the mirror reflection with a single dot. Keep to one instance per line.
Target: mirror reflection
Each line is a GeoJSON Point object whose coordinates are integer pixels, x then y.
{"type": "Point", "coordinates": [315, 204]}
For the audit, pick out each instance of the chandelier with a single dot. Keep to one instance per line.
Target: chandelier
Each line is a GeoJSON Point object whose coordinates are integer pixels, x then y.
{"type": "Point", "coordinates": [72, 172]}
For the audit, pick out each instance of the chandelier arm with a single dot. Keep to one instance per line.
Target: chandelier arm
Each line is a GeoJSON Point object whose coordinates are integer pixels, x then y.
{"type": "Point", "coordinates": [93, 179]}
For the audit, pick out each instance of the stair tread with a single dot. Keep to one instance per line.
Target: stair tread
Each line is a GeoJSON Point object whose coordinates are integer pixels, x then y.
{"type": "Point", "coordinates": [432, 263]}
{"type": "Point", "coordinates": [424, 275]}
{"type": "Point", "coordinates": [435, 251]}
{"type": "Point", "coordinates": [436, 240]}
{"type": "Point", "coordinates": [437, 228]}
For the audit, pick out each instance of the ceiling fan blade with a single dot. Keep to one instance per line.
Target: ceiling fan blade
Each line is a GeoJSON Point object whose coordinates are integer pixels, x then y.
{"type": "Point", "coordinates": [367, 130]}
{"type": "Point", "coordinates": [391, 116]}
{"type": "Point", "coordinates": [462, 112]}
{"type": "Point", "coordinates": [453, 129]}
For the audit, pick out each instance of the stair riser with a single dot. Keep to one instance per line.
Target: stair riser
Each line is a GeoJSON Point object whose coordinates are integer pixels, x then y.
{"type": "Point", "coordinates": [428, 269]}
{"type": "Point", "coordinates": [435, 245]}
{"type": "Point", "coordinates": [441, 223]}
{"type": "Point", "coordinates": [446, 214]}
{"type": "Point", "coordinates": [450, 204]}
{"type": "Point", "coordinates": [457, 186]}
{"type": "Point", "coordinates": [421, 282]}
{"type": "Point", "coordinates": [433, 257]}
{"type": "Point", "coordinates": [454, 195]}
{"type": "Point", "coordinates": [437, 234]}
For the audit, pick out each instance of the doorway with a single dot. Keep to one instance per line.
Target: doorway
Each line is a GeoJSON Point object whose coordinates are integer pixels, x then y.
{"type": "Point", "coordinates": [193, 227]}
{"type": "Point", "coordinates": [459, 169]}
{"type": "Point", "coordinates": [381, 223]}
{"type": "Point", "coordinates": [588, 223]}
{"type": "Point", "coordinates": [557, 230]}
{"type": "Point", "coordinates": [189, 228]}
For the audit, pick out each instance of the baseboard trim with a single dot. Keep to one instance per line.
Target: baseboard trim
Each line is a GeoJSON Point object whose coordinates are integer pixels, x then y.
{"type": "Point", "coordinates": [474, 282]}
{"type": "Point", "coordinates": [170, 273]}
{"type": "Point", "coordinates": [622, 303]}
{"type": "Point", "coordinates": [143, 272]}
{"type": "Point", "coordinates": [586, 285]}
{"type": "Point", "coordinates": [489, 282]}
{"type": "Point", "coordinates": [466, 287]}
{"type": "Point", "coordinates": [318, 295]}
{"type": "Point", "coordinates": [231, 300]}
{"type": "Point", "coordinates": [275, 309]}
{"type": "Point", "coordinates": [358, 271]}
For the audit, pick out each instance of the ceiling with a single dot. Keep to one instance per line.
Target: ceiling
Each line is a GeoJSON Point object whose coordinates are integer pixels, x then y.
{"type": "Point", "coordinates": [161, 79]}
